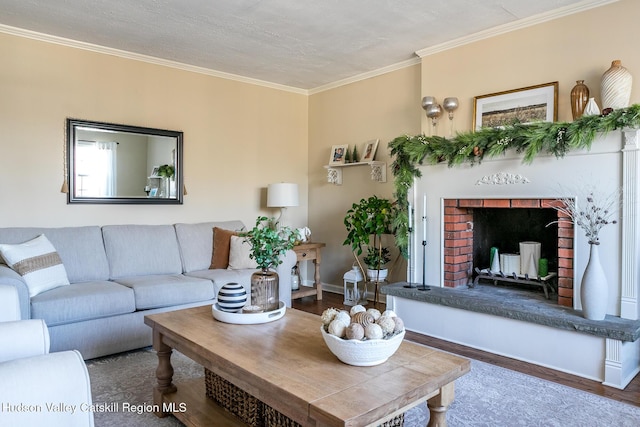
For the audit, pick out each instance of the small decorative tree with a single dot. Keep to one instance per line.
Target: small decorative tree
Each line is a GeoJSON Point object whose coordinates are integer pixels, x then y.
{"type": "Point", "coordinates": [347, 156]}
{"type": "Point", "coordinates": [356, 155]}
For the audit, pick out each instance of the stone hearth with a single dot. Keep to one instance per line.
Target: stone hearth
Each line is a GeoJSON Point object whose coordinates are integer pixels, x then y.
{"type": "Point", "coordinates": [518, 304]}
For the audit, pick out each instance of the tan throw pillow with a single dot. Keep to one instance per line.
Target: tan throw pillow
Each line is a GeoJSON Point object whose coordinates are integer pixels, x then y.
{"type": "Point", "coordinates": [221, 244]}
{"type": "Point", "coordinates": [37, 262]}
{"type": "Point", "coordinates": [239, 254]}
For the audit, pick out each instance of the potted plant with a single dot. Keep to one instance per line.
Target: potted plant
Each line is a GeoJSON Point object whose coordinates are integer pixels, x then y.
{"type": "Point", "coordinates": [268, 243]}
{"type": "Point", "coordinates": [366, 222]}
{"type": "Point", "coordinates": [166, 172]}
{"type": "Point", "coordinates": [376, 259]}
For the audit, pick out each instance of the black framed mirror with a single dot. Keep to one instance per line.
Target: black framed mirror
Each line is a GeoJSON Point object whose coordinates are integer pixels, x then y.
{"type": "Point", "coordinates": [112, 163]}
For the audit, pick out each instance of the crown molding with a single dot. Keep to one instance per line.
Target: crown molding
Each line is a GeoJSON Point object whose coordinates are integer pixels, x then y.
{"type": "Point", "coordinates": [514, 26]}
{"type": "Point", "coordinates": [47, 38]}
{"type": "Point", "coordinates": [20, 32]}
{"type": "Point", "coordinates": [367, 75]}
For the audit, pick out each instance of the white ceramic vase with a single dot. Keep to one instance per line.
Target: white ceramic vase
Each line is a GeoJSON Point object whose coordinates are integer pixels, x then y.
{"type": "Point", "coordinates": [616, 86]}
{"type": "Point", "coordinates": [594, 291]}
{"type": "Point", "coordinates": [592, 108]}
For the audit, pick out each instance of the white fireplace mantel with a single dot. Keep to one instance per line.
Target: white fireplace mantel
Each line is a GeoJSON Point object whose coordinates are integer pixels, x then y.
{"type": "Point", "coordinates": [612, 163]}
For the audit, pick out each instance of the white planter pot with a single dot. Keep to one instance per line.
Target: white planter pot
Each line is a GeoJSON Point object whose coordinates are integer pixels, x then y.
{"type": "Point", "coordinates": [373, 274]}
{"type": "Point", "coordinates": [594, 290]}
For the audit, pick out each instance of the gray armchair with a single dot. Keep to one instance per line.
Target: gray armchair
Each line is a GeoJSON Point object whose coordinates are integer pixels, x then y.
{"type": "Point", "coordinates": [38, 388]}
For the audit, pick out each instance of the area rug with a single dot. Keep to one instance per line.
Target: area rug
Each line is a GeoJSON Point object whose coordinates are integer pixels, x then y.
{"type": "Point", "coordinates": [488, 396]}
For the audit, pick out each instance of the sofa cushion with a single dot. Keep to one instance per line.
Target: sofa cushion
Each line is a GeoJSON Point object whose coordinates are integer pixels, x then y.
{"type": "Point", "coordinates": [80, 248]}
{"type": "Point", "coordinates": [82, 301]}
{"type": "Point", "coordinates": [196, 242]}
{"type": "Point", "coordinates": [138, 250]}
{"type": "Point", "coordinates": [37, 262]}
{"type": "Point", "coordinates": [167, 290]}
{"type": "Point", "coordinates": [221, 247]}
{"type": "Point", "coordinates": [240, 254]}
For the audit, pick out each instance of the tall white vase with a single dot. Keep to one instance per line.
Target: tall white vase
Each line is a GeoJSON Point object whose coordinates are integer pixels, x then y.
{"type": "Point", "coordinates": [594, 291]}
{"type": "Point", "coordinates": [615, 88]}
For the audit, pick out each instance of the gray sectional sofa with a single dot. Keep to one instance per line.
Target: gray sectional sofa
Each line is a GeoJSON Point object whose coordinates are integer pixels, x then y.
{"type": "Point", "coordinates": [120, 273]}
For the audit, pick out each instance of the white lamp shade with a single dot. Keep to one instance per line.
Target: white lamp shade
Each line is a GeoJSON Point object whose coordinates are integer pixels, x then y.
{"type": "Point", "coordinates": [282, 194]}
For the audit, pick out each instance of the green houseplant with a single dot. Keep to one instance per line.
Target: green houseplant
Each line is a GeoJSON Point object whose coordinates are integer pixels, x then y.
{"type": "Point", "coordinates": [366, 222]}
{"type": "Point", "coordinates": [166, 171]}
{"type": "Point", "coordinates": [377, 258]}
{"type": "Point", "coordinates": [268, 243]}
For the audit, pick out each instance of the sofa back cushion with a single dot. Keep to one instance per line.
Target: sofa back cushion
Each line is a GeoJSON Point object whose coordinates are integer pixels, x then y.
{"type": "Point", "coordinates": [81, 249]}
{"type": "Point", "coordinates": [196, 242]}
{"type": "Point", "coordinates": [138, 250]}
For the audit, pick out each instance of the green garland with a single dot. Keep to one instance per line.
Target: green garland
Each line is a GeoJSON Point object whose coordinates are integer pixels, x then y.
{"type": "Point", "coordinates": [555, 138]}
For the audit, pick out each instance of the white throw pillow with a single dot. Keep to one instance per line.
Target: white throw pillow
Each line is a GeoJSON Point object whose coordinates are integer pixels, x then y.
{"type": "Point", "coordinates": [37, 262]}
{"type": "Point", "coordinates": [239, 251]}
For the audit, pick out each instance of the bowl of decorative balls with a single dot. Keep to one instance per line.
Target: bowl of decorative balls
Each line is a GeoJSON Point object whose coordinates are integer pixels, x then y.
{"type": "Point", "coordinates": [362, 337]}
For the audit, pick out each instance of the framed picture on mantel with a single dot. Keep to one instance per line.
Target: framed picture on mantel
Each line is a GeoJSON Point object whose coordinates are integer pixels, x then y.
{"type": "Point", "coordinates": [526, 105]}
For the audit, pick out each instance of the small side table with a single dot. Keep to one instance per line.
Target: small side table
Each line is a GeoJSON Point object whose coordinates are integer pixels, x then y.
{"type": "Point", "coordinates": [309, 252]}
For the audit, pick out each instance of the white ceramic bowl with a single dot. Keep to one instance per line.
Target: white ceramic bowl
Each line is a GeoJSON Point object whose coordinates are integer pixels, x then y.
{"type": "Point", "coordinates": [362, 353]}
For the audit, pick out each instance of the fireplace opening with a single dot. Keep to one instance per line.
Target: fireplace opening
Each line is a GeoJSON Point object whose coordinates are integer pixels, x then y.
{"type": "Point", "coordinates": [504, 229]}
{"type": "Point", "coordinates": [473, 226]}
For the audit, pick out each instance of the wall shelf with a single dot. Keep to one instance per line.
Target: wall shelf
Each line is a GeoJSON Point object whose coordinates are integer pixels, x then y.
{"type": "Point", "coordinates": [378, 171]}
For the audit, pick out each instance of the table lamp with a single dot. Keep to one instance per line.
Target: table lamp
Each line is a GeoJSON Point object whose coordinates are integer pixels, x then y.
{"type": "Point", "coordinates": [282, 195]}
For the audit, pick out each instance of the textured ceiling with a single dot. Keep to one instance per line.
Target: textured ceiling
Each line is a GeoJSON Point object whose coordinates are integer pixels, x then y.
{"type": "Point", "coordinates": [301, 44]}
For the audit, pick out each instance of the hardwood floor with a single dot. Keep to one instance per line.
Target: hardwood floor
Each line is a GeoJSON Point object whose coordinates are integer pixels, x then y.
{"type": "Point", "coordinates": [630, 395]}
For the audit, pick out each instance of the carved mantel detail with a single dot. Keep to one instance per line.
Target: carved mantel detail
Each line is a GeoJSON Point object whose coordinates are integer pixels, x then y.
{"type": "Point", "coordinates": [503, 178]}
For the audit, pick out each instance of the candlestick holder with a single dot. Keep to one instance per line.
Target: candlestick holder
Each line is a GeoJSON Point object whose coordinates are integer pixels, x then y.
{"type": "Point", "coordinates": [450, 105]}
{"type": "Point", "coordinates": [410, 283]}
{"type": "Point", "coordinates": [424, 286]}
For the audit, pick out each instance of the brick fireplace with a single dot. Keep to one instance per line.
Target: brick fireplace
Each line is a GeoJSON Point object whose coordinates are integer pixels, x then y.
{"type": "Point", "coordinates": [458, 241]}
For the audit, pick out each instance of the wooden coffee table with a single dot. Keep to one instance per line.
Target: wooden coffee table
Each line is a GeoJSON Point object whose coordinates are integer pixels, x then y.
{"type": "Point", "coordinates": [287, 365]}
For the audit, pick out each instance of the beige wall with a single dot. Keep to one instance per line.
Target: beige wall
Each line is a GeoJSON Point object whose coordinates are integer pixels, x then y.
{"type": "Point", "coordinates": [576, 47]}
{"type": "Point", "coordinates": [241, 137]}
{"type": "Point", "coordinates": [580, 46]}
{"type": "Point", "coordinates": [382, 107]}
{"type": "Point", "coordinates": [238, 137]}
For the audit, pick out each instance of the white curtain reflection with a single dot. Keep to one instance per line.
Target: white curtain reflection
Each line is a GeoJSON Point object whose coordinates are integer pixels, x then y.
{"type": "Point", "coordinates": [107, 156]}
{"type": "Point", "coordinates": [95, 169]}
